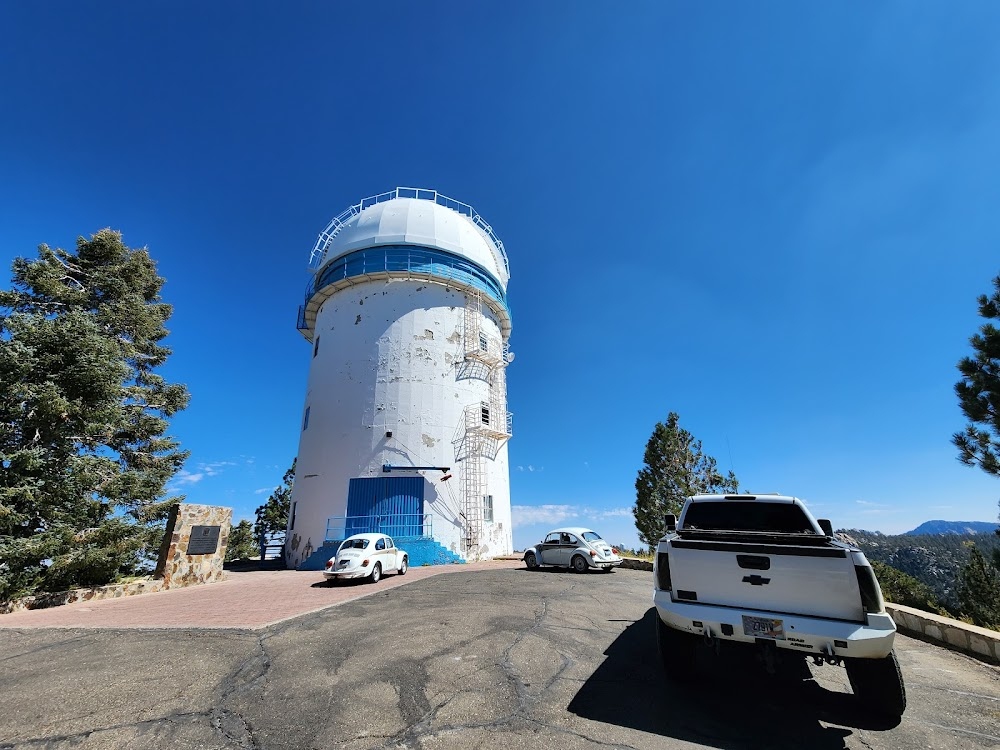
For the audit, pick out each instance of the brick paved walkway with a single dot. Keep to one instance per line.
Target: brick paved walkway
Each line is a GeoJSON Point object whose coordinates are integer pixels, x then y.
{"type": "Point", "coordinates": [250, 599]}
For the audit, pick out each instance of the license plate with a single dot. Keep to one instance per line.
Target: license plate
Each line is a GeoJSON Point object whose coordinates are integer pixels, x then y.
{"type": "Point", "coordinates": [763, 627]}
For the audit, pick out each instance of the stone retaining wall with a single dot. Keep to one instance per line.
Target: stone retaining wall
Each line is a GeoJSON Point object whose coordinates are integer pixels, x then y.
{"type": "Point", "coordinates": [114, 591]}
{"type": "Point", "coordinates": [979, 642]}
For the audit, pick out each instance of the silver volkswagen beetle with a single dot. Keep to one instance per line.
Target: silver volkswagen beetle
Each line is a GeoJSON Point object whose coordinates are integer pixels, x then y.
{"type": "Point", "coordinates": [576, 548]}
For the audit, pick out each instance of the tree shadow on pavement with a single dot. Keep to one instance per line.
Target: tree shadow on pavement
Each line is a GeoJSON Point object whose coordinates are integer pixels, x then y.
{"type": "Point", "coordinates": [733, 703]}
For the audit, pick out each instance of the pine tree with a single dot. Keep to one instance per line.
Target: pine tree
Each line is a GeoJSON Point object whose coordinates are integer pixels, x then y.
{"type": "Point", "coordinates": [242, 542]}
{"type": "Point", "coordinates": [674, 468]}
{"type": "Point", "coordinates": [979, 591]}
{"type": "Point", "coordinates": [979, 392]}
{"type": "Point", "coordinates": [84, 459]}
{"type": "Point", "coordinates": [272, 516]}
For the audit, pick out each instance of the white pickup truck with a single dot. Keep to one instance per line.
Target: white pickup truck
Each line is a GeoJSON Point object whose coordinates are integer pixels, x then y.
{"type": "Point", "coordinates": [761, 571]}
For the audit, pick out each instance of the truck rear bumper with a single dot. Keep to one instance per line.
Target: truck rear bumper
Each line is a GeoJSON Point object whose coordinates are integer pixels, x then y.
{"type": "Point", "coordinates": [807, 635]}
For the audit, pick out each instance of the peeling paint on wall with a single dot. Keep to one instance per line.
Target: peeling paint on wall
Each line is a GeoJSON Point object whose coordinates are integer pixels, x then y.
{"type": "Point", "coordinates": [394, 370]}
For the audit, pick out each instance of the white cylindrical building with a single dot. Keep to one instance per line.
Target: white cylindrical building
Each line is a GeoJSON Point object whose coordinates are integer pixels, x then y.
{"type": "Point", "coordinates": [405, 424]}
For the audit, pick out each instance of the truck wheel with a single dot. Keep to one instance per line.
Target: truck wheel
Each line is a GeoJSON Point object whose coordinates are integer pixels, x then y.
{"type": "Point", "coordinates": [579, 564]}
{"type": "Point", "coordinates": [677, 651]}
{"type": "Point", "coordinates": [531, 561]}
{"type": "Point", "coordinates": [878, 683]}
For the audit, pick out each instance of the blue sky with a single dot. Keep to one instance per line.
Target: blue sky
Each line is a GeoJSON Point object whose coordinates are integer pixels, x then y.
{"type": "Point", "coordinates": [771, 218]}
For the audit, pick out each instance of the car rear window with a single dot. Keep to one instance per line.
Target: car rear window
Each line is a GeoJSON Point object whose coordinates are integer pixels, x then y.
{"type": "Point", "coordinates": [354, 544]}
{"type": "Point", "coordinates": [591, 536]}
{"type": "Point", "coordinates": [783, 518]}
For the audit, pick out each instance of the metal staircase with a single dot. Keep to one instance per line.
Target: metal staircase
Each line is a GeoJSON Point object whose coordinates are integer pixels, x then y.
{"type": "Point", "coordinates": [487, 423]}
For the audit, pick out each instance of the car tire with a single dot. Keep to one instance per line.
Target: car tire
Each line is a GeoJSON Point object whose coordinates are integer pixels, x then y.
{"type": "Point", "coordinates": [676, 650]}
{"type": "Point", "coordinates": [579, 564]}
{"type": "Point", "coordinates": [376, 574]}
{"type": "Point", "coordinates": [878, 684]}
{"type": "Point", "coordinates": [531, 561]}
{"type": "Point", "coordinates": [405, 564]}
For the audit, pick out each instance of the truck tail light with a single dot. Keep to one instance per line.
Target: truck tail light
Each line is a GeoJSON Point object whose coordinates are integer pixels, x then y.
{"type": "Point", "coordinates": [663, 572]}
{"type": "Point", "coordinates": [364, 563]}
{"type": "Point", "coordinates": [593, 554]}
{"type": "Point", "coordinates": [329, 563]}
{"type": "Point", "coordinates": [871, 595]}
{"type": "Point", "coordinates": [615, 550]}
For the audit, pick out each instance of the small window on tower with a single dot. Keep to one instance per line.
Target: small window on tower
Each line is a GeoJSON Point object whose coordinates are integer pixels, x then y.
{"type": "Point", "coordinates": [316, 347]}
{"type": "Point", "coordinates": [292, 524]}
{"type": "Point", "coordinates": [488, 508]}
{"type": "Point", "coordinates": [484, 345]}
{"type": "Point", "coordinates": [305, 419]}
{"type": "Point", "coordinates": [485, 408]}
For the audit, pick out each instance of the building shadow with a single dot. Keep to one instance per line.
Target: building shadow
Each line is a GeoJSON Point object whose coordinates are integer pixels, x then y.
{"type": "Point", "coordinates": [733, 702]}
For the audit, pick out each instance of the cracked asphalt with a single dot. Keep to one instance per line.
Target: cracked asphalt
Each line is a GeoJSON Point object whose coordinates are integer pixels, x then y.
{"type": "Point", "coordinates": [480, 659]}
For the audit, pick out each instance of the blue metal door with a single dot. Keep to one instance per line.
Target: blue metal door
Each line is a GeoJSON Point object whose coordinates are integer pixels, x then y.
{"type": "Point", "coordinates": [390, 505]}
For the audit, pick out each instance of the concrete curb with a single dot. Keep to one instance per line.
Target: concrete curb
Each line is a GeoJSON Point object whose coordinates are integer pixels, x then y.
{"type": "Point", "coordinates": [980, 643]}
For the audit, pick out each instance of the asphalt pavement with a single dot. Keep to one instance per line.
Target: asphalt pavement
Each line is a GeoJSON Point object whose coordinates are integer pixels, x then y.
{"type": "Point", "coordinates": [494, 658]}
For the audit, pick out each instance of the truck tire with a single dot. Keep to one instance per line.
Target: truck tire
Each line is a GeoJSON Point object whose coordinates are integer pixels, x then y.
{"type": "Point", "coordinates": [677, 651]}
{"type": "Point", "coordinates": [878, 683]}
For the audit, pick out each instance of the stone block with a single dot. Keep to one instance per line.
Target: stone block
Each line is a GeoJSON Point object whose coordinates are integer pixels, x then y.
{"type": "Point", "coordinates": [980, 645]}
{"type": "Point", "coordinates": [913, 622]}
{"type": "Point", "coordinates": [956, 637]}
{"type": "Point", "coordinates": [933, 632]}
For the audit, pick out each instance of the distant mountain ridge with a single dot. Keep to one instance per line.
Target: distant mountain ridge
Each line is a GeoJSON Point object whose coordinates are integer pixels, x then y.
{"type": "Point", "coordinates": [953, 527]}
{"type": "Point", "coordinates": [933, 559]}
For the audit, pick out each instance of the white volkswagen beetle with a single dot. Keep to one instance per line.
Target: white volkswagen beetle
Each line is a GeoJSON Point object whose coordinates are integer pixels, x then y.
{"type": "Point", "coordinates": [366, 556]}
{"type": "Point", "coordinates": [576, 548]}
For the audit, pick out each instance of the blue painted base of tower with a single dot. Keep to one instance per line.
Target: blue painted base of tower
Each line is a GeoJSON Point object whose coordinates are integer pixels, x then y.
{"type": "Point", "coordinates": [419, 552]}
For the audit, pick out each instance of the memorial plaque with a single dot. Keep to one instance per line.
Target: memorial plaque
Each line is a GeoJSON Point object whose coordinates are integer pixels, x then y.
{"type": "Point", "coordinates": [204, 540]}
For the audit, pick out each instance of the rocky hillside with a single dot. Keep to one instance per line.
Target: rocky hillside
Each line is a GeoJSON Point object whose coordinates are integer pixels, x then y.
{"type": "Point", "coordinates": [933, 559]}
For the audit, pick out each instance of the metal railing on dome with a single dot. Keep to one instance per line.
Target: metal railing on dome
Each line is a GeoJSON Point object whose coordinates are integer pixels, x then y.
{"type": "Point", "coordinates": [340, 220]}
{"type": "Point", "coordinates": [403, 525]}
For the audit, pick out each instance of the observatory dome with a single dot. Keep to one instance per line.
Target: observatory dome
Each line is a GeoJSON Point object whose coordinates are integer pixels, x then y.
{"type": "Point", "coordinates": [426, 223]}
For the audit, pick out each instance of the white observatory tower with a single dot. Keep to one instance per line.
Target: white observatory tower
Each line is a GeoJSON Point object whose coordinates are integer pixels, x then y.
{"type": "Point", "coordinates": [405, 424]}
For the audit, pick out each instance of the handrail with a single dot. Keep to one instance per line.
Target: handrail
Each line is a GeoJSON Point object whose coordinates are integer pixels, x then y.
{"type": "Point", "coordinates": [401, 525]}
{"type": "Point", "coordinates": [340, 220]}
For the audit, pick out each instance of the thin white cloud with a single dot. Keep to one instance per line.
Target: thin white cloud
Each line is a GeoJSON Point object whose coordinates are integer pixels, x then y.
{"type": "Point", "coordinates": [528, 515]}
{"type": "Point", "coordinates": [870, 504]}
{"type": "Point", "coordinates": [216, 467]}
{"type": "Point", "coordinates": [186, 477]}
{"type": "Point", "coordinates": [520, 468]}
{"type": "Point", "coordinates": [262, 490]}
{"type": "Point", "coordinates": [614, 513]}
